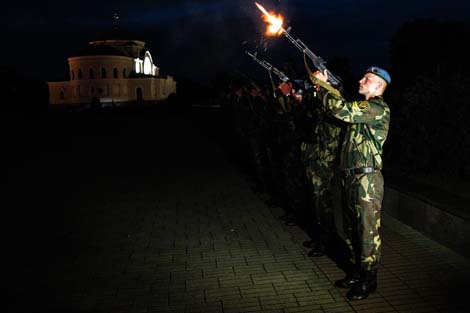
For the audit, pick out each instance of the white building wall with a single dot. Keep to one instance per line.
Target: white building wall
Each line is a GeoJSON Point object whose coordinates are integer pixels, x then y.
{"type": "Point", "coordinates": [109, 89]}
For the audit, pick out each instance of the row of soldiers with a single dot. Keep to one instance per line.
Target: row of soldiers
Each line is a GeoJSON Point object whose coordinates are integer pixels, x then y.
{"type": "Point", "coordinates": [291, 148]}
{"type": "Point", "coordinates": [291, 142]}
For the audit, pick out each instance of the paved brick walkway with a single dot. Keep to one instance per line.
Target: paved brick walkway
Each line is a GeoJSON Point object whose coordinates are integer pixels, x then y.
{"type": "Point", "coordinates": [135, 221]}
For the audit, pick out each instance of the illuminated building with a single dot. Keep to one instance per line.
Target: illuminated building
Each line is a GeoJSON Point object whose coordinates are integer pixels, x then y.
{"type": "Point", "coordinates": [112, 70]}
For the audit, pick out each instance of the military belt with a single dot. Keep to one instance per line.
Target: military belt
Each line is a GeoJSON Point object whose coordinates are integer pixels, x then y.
{"type": "Point", "coordinates": [360, 170]}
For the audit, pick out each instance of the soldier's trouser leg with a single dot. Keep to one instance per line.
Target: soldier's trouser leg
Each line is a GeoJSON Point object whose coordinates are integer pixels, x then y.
{"type": "Point", "coordinates": [257, 161]}
{"type": "Point", "coordinates": [325, 197]}
{"type": "Point", "coordinates": [364, 194]}
{"type": "Point", "coordinates": [322, 200]}
{"type": "Point", "coordinates": [314, 184]}
{"type": "Point", "coordinates": [320, 176]}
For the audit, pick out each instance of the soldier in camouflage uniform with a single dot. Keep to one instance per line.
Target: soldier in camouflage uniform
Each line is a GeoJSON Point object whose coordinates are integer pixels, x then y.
{"type": "Point", "coordinates": [320, 157]}
{"type": "Point", "coordinates": [361, 164]}
{"type": "Point", "coordinates": [256, 136]}
{"type": "Point", "coordinates": [319, 149]}
{"type": "Point", "coordinates": [293, 177]}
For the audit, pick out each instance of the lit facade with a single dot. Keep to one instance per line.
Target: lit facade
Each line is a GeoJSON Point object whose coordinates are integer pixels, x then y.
{"type": "Point", "coordinates": [112, 71]}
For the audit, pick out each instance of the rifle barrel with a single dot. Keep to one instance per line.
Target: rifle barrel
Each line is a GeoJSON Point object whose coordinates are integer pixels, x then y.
{"type": "Point", "coordinates": [317, 61]}
{"type": "Point", "coordinates": [269, 67]}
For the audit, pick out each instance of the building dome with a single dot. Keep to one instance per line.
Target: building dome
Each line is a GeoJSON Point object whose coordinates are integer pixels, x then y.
{"type": "Point", "coordinates": [113, 69]}
{"type": "Point", "coordinates": [100, 50]}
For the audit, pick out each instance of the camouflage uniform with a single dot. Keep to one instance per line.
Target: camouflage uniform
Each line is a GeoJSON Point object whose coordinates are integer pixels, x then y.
{"type": "Point", "coordinates": [368, 124]}
{"type": "Point", "coordinates": [293, 175]}
{"type": "Point", "coordinates": [256, 140]}
{"type": "Point", "coordinates": [320, 168]}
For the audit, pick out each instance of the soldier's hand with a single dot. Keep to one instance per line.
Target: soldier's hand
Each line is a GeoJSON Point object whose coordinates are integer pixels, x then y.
{"type": "Point", "coordinates": [286, 88]}
{"type": "Point", "coordinates": [298, 97]}
{"type": "Point", "coordinates": [321, 76]}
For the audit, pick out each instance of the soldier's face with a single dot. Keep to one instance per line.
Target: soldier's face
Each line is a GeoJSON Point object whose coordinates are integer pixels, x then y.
{"type": "Point", "coordinates": [369, 84]}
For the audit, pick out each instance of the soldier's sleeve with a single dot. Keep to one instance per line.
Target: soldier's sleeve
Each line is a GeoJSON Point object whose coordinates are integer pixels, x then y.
{"type": "Point", "coordinates": [349, 112]}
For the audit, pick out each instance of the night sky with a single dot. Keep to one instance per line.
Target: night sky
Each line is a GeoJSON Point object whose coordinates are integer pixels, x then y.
{"type": "Point", "coordinates": [197, 39]}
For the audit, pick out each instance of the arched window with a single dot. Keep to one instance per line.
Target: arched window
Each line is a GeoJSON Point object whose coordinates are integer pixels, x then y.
{"type": "Point", "coordinates": [115, 73]}
{"type": "Point", "coordinates": [73, 75]}
{"type": "Point", "coordinates": [103, 73]}
{"type": "Point", "coordinates": [91, 73]}
{"type": "Point", "coordinates": [80, 73]}
{"type": "Point", "coordinates": [62, 95]}
{"type": "Point", "coordinates": [124, 73]}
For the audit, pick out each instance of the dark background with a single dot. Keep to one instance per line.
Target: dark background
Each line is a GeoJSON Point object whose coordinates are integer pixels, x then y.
{"type": "Point", "coordinates": [201, 43]}
{"type": "Point", "coordinates": [199, 38]}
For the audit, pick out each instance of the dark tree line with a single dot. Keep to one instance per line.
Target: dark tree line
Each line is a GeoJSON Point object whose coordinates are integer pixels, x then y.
{"type": "Point", "coordinates": [430, 97]}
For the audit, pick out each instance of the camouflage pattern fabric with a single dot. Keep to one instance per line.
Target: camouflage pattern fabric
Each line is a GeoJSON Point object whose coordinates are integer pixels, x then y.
{"type": "Point", "coordinates": [361, 219]}
{"type": "Point", "coordinates": [320, 172]}
{"type": "Point", "coordinates": [368, 123]}
{"type": "Point", "coordinates": [320, 156]}
{"type": "Point", "coordinates": [291, 164]}
{"type": "Point", "coordinates": [256, 140]}
{"type": "Point", "coordinates": [367, 129]}
{"type": "Point", "coordinates": [320, 177]}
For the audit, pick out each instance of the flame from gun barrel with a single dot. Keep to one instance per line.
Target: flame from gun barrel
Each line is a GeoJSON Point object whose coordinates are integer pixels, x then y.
{"type": "Point", "coordinates": [275, 21]}
{"type": "Point", "coordinates": [275, 28]}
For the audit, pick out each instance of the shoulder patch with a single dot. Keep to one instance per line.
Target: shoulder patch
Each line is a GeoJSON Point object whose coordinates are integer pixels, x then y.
{"type": "Point", "coordinates": [363, 105]}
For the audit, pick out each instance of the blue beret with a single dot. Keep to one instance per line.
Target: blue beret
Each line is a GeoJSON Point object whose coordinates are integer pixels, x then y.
{"type": "Point", "coordinates": [380, 72]}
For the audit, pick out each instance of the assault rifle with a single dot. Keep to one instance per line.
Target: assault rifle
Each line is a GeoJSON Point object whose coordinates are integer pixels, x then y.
{"type": "Point", "coordinates": [283, 77]}
{"type": "Point", "coordinates": [318, 62]}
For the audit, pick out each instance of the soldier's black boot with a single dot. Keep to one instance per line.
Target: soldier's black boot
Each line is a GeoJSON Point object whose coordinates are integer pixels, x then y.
{"type": "Point", "coordinates": [309, 244]}
{"type": "Point", "coordinates": [352, 277]}
{"type": "Point", "coordinates": [318, 250]}
{"type": "Point", "coordinates": [366, 285]}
